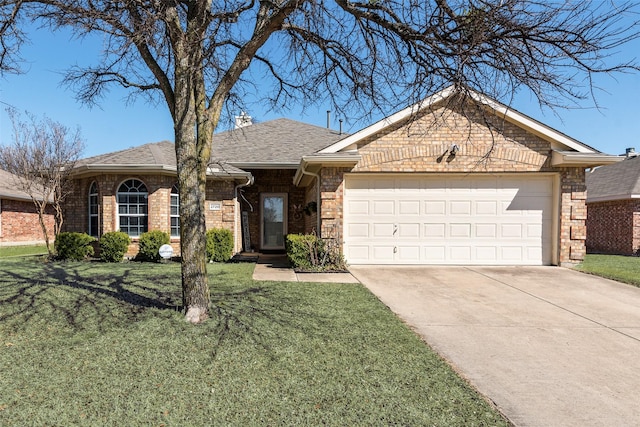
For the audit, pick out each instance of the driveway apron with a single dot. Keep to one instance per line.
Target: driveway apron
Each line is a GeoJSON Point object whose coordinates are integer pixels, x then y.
{"type": "Point", "coordinates": [549, 346]}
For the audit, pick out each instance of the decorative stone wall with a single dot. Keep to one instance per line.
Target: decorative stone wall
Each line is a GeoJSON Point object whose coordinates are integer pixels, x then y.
{"type": "Point", "coordinates": [613, 227]}
{"type": "Point", "coordinates": [19, 223]}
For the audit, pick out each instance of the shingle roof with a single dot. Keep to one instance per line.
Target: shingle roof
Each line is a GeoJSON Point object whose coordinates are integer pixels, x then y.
{"type": "Point", "coordinates": [8, 190]}
{"type": "Point", "coordinates": [276, 141]}
{"type": "Point", "coordinates": [159, 153]}
{"type": "Point", "coordinates": [614, 182]}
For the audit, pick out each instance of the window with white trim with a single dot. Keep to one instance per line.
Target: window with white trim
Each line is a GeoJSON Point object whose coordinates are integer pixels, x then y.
{"type": "Point", "coordinates": [132, 207]}
{"type": "Point", "coordinates": [175, 211]}
{"type": "Point", "coordinates": [93, 210]}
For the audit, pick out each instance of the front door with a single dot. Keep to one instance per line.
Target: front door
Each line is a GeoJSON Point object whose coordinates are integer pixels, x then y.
{"type": "Point", "coordinates": [274, 220]}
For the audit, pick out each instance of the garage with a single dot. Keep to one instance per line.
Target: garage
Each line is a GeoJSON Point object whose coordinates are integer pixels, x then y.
{"type": "Point", "coordinates": [464, 219]}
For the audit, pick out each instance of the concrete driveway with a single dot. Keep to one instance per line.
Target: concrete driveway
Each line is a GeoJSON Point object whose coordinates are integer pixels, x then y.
{"type": "Point", "coordinates": [548, 345]}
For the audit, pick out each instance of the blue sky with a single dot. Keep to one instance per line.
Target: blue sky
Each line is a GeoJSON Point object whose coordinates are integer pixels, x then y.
{"type": "Point", "coordinates": [116, 125]}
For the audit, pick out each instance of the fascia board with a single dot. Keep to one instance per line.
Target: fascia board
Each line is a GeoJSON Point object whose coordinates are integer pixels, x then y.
{"type": "Point", "coordinates": [324, 160]}
{"type": "Point", "coordinates": [264, 165]}
{"type": "Point", "coordinates": [572, 158]}
{"type": "Point", "coordinates": [387, 121]}
{"type": "Point", "coordinates": [532, 125]}
{"type": "Point", "coordinates": [509, 114]}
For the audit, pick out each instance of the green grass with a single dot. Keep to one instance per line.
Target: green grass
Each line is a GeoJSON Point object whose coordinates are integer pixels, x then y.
{"type": "Point", "coordinates": [617, 267]}
{"type": "Point", "coordinates": [10, 251]}
{"type": "Point", "coordinates": [105, 344]}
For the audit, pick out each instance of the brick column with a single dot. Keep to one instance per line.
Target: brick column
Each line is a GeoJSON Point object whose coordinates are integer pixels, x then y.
{"type": "Point", "coordinates": [573, 215]}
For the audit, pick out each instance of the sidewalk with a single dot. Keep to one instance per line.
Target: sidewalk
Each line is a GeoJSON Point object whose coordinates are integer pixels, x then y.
{"type": "Point", "coordinates": [277, 268]}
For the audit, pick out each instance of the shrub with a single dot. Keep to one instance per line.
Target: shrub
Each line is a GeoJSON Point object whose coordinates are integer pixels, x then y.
{"type": "Point", "coordinates": [302, 250]}
{"type": "Point", "coordinates": [113, 246]}
{"type": "Point", "coordinates": [150, 243]}
{"type": "Point", "coordinates": [307, 252]}
{"type": "Point", "coordinates": [219, 244]}
{"type": "Point", "coordinates": [74, 246]}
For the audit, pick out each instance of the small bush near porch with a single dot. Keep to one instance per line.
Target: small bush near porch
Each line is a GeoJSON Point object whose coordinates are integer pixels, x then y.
{"type": "Point", "coordinates": [309, 253]}
{"type": "Point", "coordinates": [91, 343]}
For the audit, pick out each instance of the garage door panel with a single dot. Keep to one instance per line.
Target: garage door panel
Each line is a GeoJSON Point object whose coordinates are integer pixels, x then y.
{"type": "Point", "coordinates": [435, 207]}
{"type": "Point", "coordinates": [383, 207]}
{"type": "Point", "coordinates": [409, 207]}
{"type": "Point", "coordinates": [461, 220]}
{"type": "Point", "coordinates": [382, 230]}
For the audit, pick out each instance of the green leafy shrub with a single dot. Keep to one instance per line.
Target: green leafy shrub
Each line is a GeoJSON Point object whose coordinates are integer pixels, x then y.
{"type": "Point", "coordinates": [150, 243]}
{"type": "Point", "coordinates": [113, 246]}
{"type": "Point", "coordinates": [74, 246]}
{"type": "Point", "coordinates": [302, 250]}
{"type": "Point", "coordinates": [307, 252]}
{"type": "Point", "coordinates": [219, 244]}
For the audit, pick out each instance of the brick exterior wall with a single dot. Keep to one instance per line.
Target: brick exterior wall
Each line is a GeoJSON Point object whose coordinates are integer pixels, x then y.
{"type": "Point", "coordinates": [420, 146]}
{"type": "Point", "coordinates": [220, 193]}
{"type": "Point", "coordinates": [275, 181]}
{"type": "Point", "coordinates": [613, 227]}
{"type": "Point", "coordinates": [19, 223]}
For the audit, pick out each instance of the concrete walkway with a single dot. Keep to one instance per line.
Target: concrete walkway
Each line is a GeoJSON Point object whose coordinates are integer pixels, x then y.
{"type": "Point", "coordinates": [549, 346]}
{"type": "Point", "coordinates": [277, 268]}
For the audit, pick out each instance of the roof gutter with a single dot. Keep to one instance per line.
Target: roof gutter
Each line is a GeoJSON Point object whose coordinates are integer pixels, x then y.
{"type": "Point", "coordinates": [587, 160]}
{"type": "Point", "coordinates": [322, 160]}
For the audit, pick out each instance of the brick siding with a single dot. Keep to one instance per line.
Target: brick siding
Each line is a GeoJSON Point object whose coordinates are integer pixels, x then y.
{"type": "Point", "coordinates": [275, 181]}
{"type": "Point", "coordinates": [19, 223]}
{"type": "Point", "coordinates": [219, 192]}
{"type": "Point", "coordinates": [421, 146]}
{"type": "Point", "coordinates": [614, 227]}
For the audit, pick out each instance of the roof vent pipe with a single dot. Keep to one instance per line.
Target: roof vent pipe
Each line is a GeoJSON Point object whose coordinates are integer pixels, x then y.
{"type": "Point", "coordinates": [328, 119]}
{"type": "Point", "coordinates": [340, 127]}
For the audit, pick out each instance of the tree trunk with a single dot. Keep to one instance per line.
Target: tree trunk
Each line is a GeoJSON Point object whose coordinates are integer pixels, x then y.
{"type": "Point", "coordinates": [192, 187]}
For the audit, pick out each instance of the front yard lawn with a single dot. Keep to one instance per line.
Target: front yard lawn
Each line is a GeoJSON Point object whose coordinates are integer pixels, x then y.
{"type": "Point", "coordinates": [8, 251]}
{"type": "Point", "coordinates": [105, 344]}
{"type": "Point", "coordinates": [617, 267]}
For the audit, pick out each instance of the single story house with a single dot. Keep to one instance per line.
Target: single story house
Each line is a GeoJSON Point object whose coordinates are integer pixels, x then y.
{"type": "Point", "coordinates": [19, 221]}
{"type": "Point", "coordinates": [435, 183]}
{"type": "Point", "coordinates": [613, 208]}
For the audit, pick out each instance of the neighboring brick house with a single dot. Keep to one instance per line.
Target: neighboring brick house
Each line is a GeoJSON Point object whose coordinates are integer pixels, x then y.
{"type": "Point", "coordinates": [19, 222]}
{"type": "Point", "coordinates": [431, 184]}
{"type": "Point", "coordinates": [613, 208]}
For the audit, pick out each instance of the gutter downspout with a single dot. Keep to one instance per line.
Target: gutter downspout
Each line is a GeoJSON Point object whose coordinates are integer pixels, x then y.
{"type": "Point", "coordinates": [238, 212]}
{"type": "Point", "coordinates": [318, 216]}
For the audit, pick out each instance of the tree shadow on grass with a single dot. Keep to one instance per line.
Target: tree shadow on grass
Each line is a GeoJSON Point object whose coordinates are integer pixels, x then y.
{"type": "Point", "coordinates": [90, 296]}
{"type": "Point", "coordinates": [79, 295]}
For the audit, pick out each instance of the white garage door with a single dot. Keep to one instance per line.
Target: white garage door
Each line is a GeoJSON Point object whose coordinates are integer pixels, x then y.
{"type": "Point", "coordinates": [471, 219]}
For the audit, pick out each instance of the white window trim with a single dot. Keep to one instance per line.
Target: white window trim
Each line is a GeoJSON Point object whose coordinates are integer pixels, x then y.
{"type": "Point", "coordinates": [129, 215]}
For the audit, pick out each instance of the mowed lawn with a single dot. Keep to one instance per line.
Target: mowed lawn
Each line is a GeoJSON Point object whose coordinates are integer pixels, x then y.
{"type": "Point", "coordinates": [105, 344]}
{"type": "Point", "coordinates": [624, 269]}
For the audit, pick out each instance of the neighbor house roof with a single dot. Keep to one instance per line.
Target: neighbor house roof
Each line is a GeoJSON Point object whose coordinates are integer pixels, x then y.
{"type": "Point", "coordinates": [614, 182]}
{"type": "Point", "coordinates": [567, 151]}
{"type": "Point", "coordinates": [8, 187]}
{"type": "Point", "coordinates": [279, 143]}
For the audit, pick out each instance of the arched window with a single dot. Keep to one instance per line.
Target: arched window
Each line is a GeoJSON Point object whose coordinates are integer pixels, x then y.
{"type": "Point", "coordinates": [132, 207]}
{"type": "Point", "coordinates": [175, 211]}
{"type": "Point", "coordinates": [93, 210]}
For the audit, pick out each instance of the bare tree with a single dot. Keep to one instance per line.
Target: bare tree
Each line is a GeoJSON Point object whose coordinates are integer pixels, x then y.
{"type": "Point", "coordinates": [199, 56]}
{"type": "Point", "coordinates": [41, 157]}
